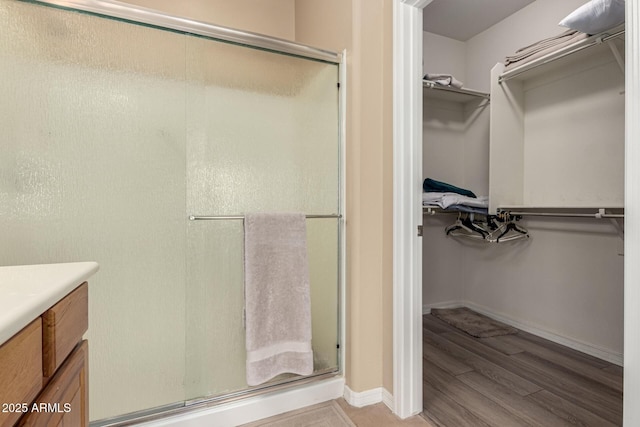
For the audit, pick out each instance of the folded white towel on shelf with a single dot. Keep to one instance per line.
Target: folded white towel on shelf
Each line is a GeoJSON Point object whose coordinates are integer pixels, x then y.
{"type": "Point", "coordinates": [543, 47]}
{"type": "Point", "coordinates": [277, 296]}
{"type": "Point", "coordinates": [444, 80]}
{"type": "Point", "coordinates": [445, 200]}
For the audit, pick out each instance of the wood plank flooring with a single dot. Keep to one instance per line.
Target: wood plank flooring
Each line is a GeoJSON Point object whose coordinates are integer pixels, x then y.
{"type": "Point", "coordinates": [514, 380]}
{"type": "Point", "coordinates": [379, 415]}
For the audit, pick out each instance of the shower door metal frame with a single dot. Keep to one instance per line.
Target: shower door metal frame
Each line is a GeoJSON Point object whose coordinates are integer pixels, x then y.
{"type": "Point", "coordinates": [162, 21]}
{"type": "Point", "coordinates": [154, 18]}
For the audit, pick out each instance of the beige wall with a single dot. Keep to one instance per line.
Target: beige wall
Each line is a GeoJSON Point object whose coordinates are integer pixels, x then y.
{"type": "Point", "coordinates": [326, 24]}
{"type": "Point", "coordinates": [271, 17]}
{"type": "Point", "coordinates": [387, 200]}
{"type": "Point", "coordinates": [365, 31]}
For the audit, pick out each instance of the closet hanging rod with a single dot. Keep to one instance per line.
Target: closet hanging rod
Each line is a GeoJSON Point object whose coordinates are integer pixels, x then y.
{"type": "Point", "coordinates": [594, 40]}
{"type": "Point", "coordinates": [598, 215]}
{"type": "Point", "coordinates": [241, 217]}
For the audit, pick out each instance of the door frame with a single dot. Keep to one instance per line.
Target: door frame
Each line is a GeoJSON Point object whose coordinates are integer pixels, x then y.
{"type": "Point", "coordinates": [631, 395]}
{"type": "Point", "coordinates": [407, 210]}
{"type": "Point", "coordinates": [407, 176]}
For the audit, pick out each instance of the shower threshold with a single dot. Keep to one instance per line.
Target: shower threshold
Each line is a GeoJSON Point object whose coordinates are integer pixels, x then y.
{"type": "Point", "coordinates": [181, 408]}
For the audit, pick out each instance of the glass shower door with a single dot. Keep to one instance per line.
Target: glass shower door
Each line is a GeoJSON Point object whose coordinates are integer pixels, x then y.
{"type": "Point", "coordinates": [113, 134]}
{"type": "Point", "coordinates": [262, 135]}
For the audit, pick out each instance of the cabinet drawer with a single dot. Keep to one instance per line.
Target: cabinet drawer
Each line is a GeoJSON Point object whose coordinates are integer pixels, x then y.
{"type": "Point", "coordinates": [20, 371]}
{"type": "Point", "coordinates": [63, 326]}
{"type": "Point", "coordinates": [64, 402]}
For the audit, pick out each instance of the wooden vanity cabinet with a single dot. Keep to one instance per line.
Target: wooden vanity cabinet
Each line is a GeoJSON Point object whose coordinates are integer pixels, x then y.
{"type": "Point", "coordinates": [20, 372]}
{"type": "Point", "coordinates": [64, 401]}
{"type": "Point", "coordinates": [43, 368]}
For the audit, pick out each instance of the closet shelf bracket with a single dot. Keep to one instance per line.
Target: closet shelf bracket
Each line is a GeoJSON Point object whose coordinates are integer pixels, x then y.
{"type": "Point", "coordinates": [616, 54]}
{"type": "Point", "coordinates": [618, 223]}
{"type": "Point", "coordinates": [430, 210]}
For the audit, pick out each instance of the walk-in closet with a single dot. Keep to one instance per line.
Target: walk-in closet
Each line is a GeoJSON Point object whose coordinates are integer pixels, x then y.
{"type": "Point", "coordinates": [523, 162]}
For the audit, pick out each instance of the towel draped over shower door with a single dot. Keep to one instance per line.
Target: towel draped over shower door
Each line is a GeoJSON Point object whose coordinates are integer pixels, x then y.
{"type": "Point", "coordinates": [277, 296]}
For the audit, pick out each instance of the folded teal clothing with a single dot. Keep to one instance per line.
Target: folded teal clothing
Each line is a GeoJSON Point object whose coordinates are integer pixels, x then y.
{"type": "Point", "coordinates": [431, 185]}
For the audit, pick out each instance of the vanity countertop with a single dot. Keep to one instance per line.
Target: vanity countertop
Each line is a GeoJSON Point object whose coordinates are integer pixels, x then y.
{"type": "Point", "coordinates": [27, 291]}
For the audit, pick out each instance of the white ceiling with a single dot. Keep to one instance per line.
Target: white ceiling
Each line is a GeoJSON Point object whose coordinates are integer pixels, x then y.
{"type": "Point", "coordinates": [463, 19]}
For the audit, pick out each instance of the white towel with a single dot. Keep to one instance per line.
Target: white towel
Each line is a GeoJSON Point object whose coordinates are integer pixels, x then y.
{"type": "Point", "coordinates": [444, 80]}
{"type": "Point", "coordinates": [542, 48]}
{"type": "Point", "coordinates": [277, 296]}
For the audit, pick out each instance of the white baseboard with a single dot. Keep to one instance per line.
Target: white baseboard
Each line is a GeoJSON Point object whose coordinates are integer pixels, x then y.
{"type": "Point", "coordinates": [368, 397]}
{"type": "Point", "coordinates": [362, 398]}
{"type": "Point", "coordinates": [387, 399]}
{"type": "Point", "coordinates": [257, 407]}
{"type": "Point", "coordinates": [426, 308]}
{"type": "Point", "coordinates": [592, 350]}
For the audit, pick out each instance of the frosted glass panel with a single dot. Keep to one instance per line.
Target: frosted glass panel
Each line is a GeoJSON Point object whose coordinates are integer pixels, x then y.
{"type": "Point", "coordinates": [92, 168]}
{"type": "Point", "coordinates": [112, 134]}
{"type": "Point", "coordinates": [262, 136]}
{"type": "Point", "coordinates": [262, 129]}
{"type": "Point", "coordinates": [215, 332]}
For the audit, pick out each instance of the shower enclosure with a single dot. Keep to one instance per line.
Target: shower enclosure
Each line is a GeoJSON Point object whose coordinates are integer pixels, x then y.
{"type": "Point", "coordinates": [116, 137]}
